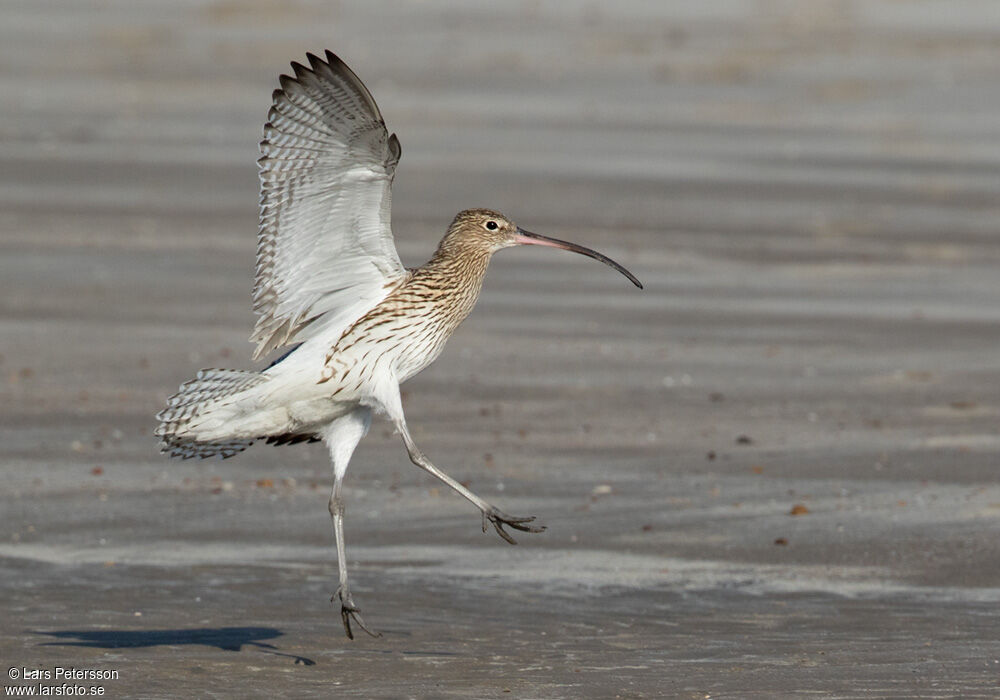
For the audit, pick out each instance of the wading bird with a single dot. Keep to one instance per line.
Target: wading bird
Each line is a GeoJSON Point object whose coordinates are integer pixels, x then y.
{"type": "Point", "coordinates": [329, 282]}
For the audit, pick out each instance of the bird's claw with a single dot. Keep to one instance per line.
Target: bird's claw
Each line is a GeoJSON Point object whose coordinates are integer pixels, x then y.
{"type": "Point", "coordinates": [499, 519]}
{"type": "Point", "coordinates": [349, 610]}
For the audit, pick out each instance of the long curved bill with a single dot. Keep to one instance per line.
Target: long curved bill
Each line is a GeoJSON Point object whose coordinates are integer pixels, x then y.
{"type": "Point", "coordinates": [528, 238]}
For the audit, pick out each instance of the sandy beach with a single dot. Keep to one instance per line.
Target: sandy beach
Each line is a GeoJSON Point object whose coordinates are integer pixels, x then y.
{"type": "Point", "coordinates": [771, 473]}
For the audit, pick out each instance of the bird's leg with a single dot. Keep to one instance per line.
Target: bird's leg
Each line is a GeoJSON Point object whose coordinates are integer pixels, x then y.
{"type": "Point", "coordinates": [491, 514]}
{"type": "Point", "coordinates": [348, 610]}
{"type": "Point", "coordinates": [386, 397]}
{"type": "Point", "coordinates": [390, 401]}
{"type": "Point", "coordinates": [342, 436]}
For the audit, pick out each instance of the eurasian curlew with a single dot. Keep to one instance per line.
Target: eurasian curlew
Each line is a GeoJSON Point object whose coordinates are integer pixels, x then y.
{"type": "Point", "coordinates": [329, 282]}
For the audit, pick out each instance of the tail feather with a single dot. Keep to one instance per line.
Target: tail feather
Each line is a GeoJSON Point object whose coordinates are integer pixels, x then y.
{"type": "Point", "coordinates": [188, 449]}
{"type": "Point", "coordinates": [193, 400]}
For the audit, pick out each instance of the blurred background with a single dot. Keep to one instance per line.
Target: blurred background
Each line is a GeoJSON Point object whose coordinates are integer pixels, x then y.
{"type": "Point", "coordinates": [773, 471]}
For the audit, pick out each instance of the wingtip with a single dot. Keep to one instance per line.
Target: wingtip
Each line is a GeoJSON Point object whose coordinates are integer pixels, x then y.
{"type": "Point", "coordinates": [333, 60]}
{"type": "Point", "coordinates": [395, 149]}
{"type": "Point", "coordinates": [316, 62]}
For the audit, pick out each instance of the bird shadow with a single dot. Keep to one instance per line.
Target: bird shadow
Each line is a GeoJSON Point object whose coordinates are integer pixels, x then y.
{"type": "Point", "coordinates": [224, 638]}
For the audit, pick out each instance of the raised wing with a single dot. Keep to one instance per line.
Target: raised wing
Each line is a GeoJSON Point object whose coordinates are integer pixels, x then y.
{"type": "Point", "coordinates": [325, 244]}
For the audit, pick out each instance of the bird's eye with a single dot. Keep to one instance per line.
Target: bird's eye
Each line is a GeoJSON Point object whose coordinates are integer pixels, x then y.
{"type": "Point", "coordinates": [491, 225]}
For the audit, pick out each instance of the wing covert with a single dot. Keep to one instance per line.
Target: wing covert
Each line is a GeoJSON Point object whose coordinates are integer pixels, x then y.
{"type": "Point", "coordinates": [325, 244]}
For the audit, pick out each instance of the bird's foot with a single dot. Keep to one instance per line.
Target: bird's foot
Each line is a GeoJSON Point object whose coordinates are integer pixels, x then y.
{"type": "Point", "coordinates": [349, 611]}
{"type": "Point", "coordinates": [499, 519]}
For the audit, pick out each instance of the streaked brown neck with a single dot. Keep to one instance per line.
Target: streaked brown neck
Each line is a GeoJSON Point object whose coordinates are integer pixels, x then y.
{"type": "Point", "coordinates": [456, 273]}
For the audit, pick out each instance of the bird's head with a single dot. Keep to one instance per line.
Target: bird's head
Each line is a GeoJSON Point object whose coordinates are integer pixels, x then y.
{"type": "Point", "coordinates": [485, 229]}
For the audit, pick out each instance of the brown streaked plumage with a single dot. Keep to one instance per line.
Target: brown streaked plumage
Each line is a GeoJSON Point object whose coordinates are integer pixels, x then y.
{"type": "Point", "coordinates": [330, 282]}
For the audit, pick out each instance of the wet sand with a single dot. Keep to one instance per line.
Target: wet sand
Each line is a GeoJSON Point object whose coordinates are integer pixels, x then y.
{"type": "Point", "coordinates": [810, 193]}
